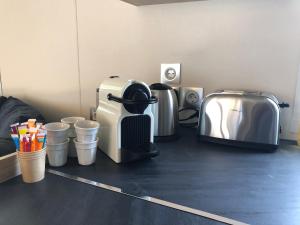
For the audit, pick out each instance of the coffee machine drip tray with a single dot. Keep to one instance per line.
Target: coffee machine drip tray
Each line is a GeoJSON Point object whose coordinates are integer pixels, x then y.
{"type": "Point", "coordinates": [135, 138]}
{"type": "Point", "coordinates": [141, 152]}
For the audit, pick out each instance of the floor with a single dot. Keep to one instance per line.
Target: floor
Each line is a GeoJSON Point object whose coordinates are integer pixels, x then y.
{"type": "Point", "coordinates": [250, 186]}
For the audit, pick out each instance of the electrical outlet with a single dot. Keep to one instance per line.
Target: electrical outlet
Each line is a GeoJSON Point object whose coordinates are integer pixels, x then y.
{"type": "Point", "coordinates": [93, 113]}
{"type": "Point", "coordinates": [190, 97]}
{"type": "Point", "coordinates": [190, 100]}
{"type": "Point", "coordinates": [170, 74]}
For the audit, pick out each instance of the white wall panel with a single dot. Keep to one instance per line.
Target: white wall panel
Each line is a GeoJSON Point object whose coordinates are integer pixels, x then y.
{"type": "Point", "coordinates": [232, 44]}
{"type": "Point", "coordinates": [38, 54]}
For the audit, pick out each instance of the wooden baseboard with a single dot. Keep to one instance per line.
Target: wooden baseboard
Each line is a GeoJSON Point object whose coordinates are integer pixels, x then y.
{"type": "Point", "coordinates": [9, 167]}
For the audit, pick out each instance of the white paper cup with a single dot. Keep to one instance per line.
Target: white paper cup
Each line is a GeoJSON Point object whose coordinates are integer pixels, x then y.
{"type": "Point", "coordinates": [32, 165]}
{"type": "Point", "coordinates": [86, 152]}
{"type": "Point", "coordinates": [30, 154]}
{"type": "Point", "coordinates": [86, 130]}
{"type": "Point", "coordinates": [57, 132]}
{"type": "Point", "coordinates": [71, 121]}
{"type": "Point", "coordinates": [72, 149]}
{"type": "Point", "coordinates": [58, 153]}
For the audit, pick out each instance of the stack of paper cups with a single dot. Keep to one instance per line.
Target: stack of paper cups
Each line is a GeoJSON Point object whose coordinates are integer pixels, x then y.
{"type": "Point", "coordinates": [71, 133]}
{"type": "Point", "coordinates": [86, 141]}
{"type": "Point", "coordinates": [57, 143]}
{"type": "Point", "coordinates": [32, 165]}
{"type": "Point", "coordinates": [58, 153]}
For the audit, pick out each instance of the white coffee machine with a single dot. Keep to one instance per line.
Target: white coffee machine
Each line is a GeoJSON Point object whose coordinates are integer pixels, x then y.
{"type": "Point", "coordinates": [126, 120]}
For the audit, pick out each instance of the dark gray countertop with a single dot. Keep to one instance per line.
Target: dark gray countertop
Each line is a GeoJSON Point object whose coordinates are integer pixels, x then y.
{"type": "Point", "coordinates": [59, 201]}
{"type": "Point", "coordinates": [246, 185]}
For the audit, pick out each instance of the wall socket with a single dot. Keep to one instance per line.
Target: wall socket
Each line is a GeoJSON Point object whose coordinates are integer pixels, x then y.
{"type": "Point", "coordinates": [170, 74]}
{"type": "Point", "coordinates": [190, 97]}
{"type": "Point", "coordinates": [93, 111]}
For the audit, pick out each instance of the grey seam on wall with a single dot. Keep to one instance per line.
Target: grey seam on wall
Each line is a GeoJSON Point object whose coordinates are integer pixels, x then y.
{"type": "Point", "coordinates": [78, 57]}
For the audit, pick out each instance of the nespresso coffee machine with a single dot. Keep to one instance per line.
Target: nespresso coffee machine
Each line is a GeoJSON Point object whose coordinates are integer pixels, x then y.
{"type": "Point", "coordinates": [126, 120]}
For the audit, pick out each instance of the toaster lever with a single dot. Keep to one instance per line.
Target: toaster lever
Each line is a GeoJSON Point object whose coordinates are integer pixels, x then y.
{"type": "Point", "coordinates": [284, 105]}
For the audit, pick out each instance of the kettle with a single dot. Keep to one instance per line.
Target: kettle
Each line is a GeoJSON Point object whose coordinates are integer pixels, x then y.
{"type": "Point", "coordinates": [165, 112]}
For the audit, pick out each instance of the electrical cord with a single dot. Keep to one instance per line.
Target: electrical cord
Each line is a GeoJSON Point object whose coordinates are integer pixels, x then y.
{"type": "Point", "coordinates": [190, 117]}
{"type": "Point", "coordinates": [194, 115]}
{"type": "Point", "coordinates": [188, 108]}
{"type": "Point", "coordinates": [189, 125]}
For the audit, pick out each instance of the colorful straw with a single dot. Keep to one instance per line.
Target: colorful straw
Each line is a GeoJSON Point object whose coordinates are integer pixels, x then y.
{"type": "Point", "coordinates": [29, 136]}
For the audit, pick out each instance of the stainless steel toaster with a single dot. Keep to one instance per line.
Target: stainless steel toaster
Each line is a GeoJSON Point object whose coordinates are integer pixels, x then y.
{"type": "Point", "coordinates": [241, 118]}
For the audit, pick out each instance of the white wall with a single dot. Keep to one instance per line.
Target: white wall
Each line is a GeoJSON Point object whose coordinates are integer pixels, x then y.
{"type": "Point", "coordinates": [110, 43]}
{"type": "Point", "coordinates": [248, 44]}
{"type": "Point", "coordinates": [38, 54]}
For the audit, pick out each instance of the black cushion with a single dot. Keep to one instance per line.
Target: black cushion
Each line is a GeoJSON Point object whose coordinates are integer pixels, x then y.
{"type": "Point", "coordinates": [7, 146]}
{"type": "Point", "coordinates": [2, 100]}
{"type": "Point", "coordinates": [14, 110]}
